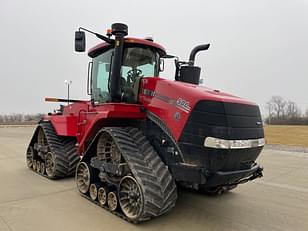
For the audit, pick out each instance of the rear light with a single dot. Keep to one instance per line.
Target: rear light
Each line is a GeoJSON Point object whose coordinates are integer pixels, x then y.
{"type": "Point", "coordinates": [212, 142]}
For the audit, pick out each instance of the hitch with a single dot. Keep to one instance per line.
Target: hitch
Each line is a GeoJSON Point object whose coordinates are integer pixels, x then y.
{"type": "Point", "coordinates": [257, 174]}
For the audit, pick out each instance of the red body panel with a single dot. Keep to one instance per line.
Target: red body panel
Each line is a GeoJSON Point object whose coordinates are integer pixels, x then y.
{"type": "Point", "coordinates": [81, 120]}
{"type": "Point", "coordinates": [64, 125]}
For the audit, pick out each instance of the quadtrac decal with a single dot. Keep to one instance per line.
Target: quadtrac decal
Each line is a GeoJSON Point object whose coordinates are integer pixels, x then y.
{"type": "Point", "coordinates": [180, 103]}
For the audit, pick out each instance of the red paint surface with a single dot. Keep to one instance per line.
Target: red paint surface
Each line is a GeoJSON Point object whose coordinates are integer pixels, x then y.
{"type": "Point", "coordinates": [64, 125]}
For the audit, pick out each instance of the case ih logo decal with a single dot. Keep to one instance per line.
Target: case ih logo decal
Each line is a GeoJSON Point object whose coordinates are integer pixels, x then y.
{"type": "Point", "coordinates": [177, 116]}
{"type": "Point", "coordinates": [183, 104]}
{"type": "Point", "coordinates": [148, 92]}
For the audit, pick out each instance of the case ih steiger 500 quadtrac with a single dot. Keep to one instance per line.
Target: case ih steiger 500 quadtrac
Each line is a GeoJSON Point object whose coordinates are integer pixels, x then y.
{"type": "Point", "coordinates": [141, 136]}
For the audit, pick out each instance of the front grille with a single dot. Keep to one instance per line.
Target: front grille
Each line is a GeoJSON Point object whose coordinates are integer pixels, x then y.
{"type": "Point", "coordinates": [221, 120]}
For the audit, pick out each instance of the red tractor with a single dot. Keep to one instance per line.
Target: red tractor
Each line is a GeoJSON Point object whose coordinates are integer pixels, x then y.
{"type": "Point", "coordinates": [141, 136]}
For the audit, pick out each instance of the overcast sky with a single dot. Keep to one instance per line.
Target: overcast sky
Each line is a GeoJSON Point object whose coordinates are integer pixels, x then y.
{"type": "Point", "coordinates": [258, 48]}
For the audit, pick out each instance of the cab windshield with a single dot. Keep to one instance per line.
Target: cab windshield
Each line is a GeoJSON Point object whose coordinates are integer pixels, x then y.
{"type": "Point", "coordinates": [138, 62]}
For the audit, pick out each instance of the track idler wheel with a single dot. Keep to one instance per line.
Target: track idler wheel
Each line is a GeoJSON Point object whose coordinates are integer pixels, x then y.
{"type": "Point", "coordinates": [131, 197]}
{"type": "Point", "coordinates": [38, 166]}
{"type": "Point", "coordinates": [93, 191]}
{"type": "Point", "coordinates": [85, 175]}
{"type": "Point", "coordinates": [50, 166]}
{"type": "Point", "coordinates": [102, 195]}
{"type": "Point", "coordinates": [42, 169]}
{"type": "Point", "coordinates": [30, 157]}
{"type": "Point", "coordinates": [34, 165]}
{"type": "Point", "coordinates": [112, 201]}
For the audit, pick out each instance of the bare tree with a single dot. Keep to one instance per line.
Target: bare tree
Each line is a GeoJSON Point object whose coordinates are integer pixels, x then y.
{"type": "Point", "coordinates": [277, 106]}
{"type": "Point", "coordinates": [270, 107]}
{"type": "Point", "coordinates": [292, 110]}
{"type": "Point", "coordinates": [285, 112]}
{"type": "Point", "coordinates": [20, 118]}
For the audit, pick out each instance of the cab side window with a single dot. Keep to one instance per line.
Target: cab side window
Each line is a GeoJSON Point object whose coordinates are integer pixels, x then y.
{"type": "Point", "coordinates": [100, 77]}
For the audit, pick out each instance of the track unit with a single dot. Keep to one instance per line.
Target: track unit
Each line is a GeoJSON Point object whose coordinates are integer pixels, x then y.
{"type": "Point", "coordinates": [51, 155]}
{"type": "Point", "coordinates": [136, 184]}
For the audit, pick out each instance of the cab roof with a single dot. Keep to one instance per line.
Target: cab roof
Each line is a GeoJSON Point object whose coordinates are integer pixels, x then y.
{"type": "Point", "coordinates": [101, 47]}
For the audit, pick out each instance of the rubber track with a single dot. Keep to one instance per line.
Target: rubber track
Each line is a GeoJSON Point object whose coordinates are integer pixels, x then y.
{"type": "Point", "coordinates": [167, 185]}
{"type": "Point", "coordinates": [71, 154]}
{"type": "Point", "coordinates": [66, 157]}
{"type": "Point", "coordinates": [152, 174]}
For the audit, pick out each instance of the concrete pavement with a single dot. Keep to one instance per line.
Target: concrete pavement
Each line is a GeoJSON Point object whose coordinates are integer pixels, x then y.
{"type": "Point", "coordinates": [278, 201]}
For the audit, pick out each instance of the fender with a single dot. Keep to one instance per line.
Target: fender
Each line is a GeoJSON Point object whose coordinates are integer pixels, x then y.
{"type": "Point", "coordinates": [169, 150]}
{"type": "Point", "coordinates": [64, 125]}
{"type": "Point", "coordinates": [99, 124]}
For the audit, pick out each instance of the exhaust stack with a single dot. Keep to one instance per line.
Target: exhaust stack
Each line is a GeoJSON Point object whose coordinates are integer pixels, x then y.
{"type": "Point", "coordinates": [187, 71]}
{"type": "Point", "coordinates": [194, 51]}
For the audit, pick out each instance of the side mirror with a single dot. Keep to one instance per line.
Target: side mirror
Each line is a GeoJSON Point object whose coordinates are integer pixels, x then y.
{"type": "Point", "coordinates": [80, 41]}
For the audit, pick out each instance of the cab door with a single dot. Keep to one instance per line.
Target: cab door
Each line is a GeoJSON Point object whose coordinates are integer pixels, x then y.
{"type": "Point", "coordinates": [100, 78]}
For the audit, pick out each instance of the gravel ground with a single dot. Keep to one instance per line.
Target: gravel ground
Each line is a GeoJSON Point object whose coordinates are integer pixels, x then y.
{"type": "Point", "coordinates": [288, 148]}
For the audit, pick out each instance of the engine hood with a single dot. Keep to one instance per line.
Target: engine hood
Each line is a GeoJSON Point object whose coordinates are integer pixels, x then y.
{"type": "Point", "coordinates": [173, 102]}
{"type": "Point", "coordinates": [205, 93]}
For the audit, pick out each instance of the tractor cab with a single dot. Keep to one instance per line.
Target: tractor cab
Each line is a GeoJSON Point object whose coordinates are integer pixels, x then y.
{"type": "Point", "coordinates": [118, 64]}
{"type": "Point", "coordinates": [139, 60]}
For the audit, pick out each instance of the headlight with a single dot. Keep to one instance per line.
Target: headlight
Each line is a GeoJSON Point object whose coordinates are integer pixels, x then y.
{"type": "Point", "coordinates": [211, 142]}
